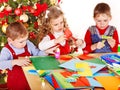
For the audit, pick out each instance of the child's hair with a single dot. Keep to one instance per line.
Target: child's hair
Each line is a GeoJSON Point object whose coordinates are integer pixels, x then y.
{"type": "Point", "coordinates": [16, 30]}
{"type": "Point", "coordinates": [45, 28]}
{"type": "Point", "coordinates": [102, 8]}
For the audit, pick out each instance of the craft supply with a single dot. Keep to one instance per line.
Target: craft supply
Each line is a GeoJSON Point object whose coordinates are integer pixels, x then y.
{"type": "Point", "coordinates": [68, 33]}
{"type": "Point", "coordinates": [119, 49]}
{"type": "Point", "coordinates": [57, 53]}
{"type": "Point", "coordinates": [34, 72]}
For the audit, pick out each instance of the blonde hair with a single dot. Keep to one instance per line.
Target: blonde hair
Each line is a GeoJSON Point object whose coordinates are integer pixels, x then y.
{"type": "Point", "coordinates": [16, 30]}
{"type": "Point", "coordinates": [102, 8]}
{"type": "Point", "coordinates": [45, 28]}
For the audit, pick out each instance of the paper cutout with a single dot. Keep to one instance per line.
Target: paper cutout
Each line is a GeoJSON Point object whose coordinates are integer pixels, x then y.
{"type": "Point", "coordinates": [93, 82]}
{"type": "Point", "coordinates": [45, 62]}
{"type": "Point", "coordinates": [71, 65]}
{"type": "Point", "coordinates": [81, 81]}
{"type": "Point", "coordinates": [43, 73]}
{"type": "Point", "coordinates": [62, 81]}
{"type": "Point", "coordinates": [86, 68]}
{"type": "Point", "coordinates": [34, 72]}
{"type": "Point", "coordinates": [84, 57]}
{"type": "Point", "coordinates": [65, 57]}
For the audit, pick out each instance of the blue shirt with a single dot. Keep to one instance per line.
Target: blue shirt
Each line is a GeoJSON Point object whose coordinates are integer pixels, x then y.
{"type": "Point", "coordinates": [6, 55]}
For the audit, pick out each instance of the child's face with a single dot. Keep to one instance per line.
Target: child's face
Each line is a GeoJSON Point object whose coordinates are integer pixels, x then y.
{"type": "Point", "coordinates": [19, 42]}
{"type": "Point", "coordinates": [102, 21]}
{"type": "Point", "coordinates": [57, 24]}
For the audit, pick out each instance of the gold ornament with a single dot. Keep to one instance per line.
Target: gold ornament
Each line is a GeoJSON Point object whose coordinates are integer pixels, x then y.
{"type": "Point", "coordinates": [24, 17]}
{"type": "Point", "coordinates": [4, 27]}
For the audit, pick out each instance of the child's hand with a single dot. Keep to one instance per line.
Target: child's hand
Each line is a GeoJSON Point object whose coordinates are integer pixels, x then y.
{"type": "Point", "coordinates": [111, 42]}
{"type": "Point", "coordinates": [60, 39]}
{"type": "Point", "coordinates": [79, 42]}
{"type": "Point", "coordinates": [100, 45]}
{"type": "Point", "coordinates": [51, 50]}
{"type": "Point", "coordinates": [21, 62]}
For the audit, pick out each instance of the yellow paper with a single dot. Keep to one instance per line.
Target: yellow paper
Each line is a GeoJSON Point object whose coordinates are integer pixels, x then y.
{"type": "Point", "coordinates": [83, 69]}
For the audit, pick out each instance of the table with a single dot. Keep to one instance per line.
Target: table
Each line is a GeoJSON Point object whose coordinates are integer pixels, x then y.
{"type": "Point", "coordinates": [37, 84]}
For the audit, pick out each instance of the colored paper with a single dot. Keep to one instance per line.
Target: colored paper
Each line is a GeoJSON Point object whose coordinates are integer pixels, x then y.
{"type": "Point", "coordinates": [71, 65]}
{"type": "Point", "coordinates": [65, 57]}
{"type": "Point", "coordinates": [62, 81]}
{"type": "Point", "coordinates": [52, 81]}
{"type": "Point", "coordinates": [81, 81]}
{"type": "Point", "coordinates": [93, 82]}
{"type": "Point", "coordinates": [84, 57]}
{"type": "Point", "coordinates": [109, 82]}
{"type": "Point", "coordinates": [68, 33]}
{"type": "Point", "coordinates": [45, 62]}
{"type": "Point", "coordinates": [86, 70]}
{"type": "Point", "coordinates": [96, 60]}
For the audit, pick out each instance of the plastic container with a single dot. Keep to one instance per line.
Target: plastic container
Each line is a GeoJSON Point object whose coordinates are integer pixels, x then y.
{"type": "Point", "coordinates": [57, 53]}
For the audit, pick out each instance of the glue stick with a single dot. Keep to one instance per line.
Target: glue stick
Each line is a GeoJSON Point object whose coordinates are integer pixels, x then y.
{"type": "Point", "coordinates": [57, 53]}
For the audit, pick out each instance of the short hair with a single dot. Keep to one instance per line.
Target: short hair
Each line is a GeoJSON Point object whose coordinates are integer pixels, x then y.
{"type": "Point", "coordinates": [102, 8]}
{"type": "Point", "coordinates": [16, 30]}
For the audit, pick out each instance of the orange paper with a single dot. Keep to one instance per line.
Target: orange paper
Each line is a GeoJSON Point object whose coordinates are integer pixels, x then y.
{"type": "Point", "coordinates": [109, 82]}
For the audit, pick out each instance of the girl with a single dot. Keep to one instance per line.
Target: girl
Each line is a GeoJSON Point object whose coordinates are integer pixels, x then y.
{"type": "Point", "coordinates": [54, 31]}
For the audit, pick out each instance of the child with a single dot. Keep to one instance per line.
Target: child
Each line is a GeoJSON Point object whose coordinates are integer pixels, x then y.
{"type": "Point", "coordinates": [102, 37]}
{"type": "Point", "coordinates": [55, 32]}
{"type": "Point", "coordinates": [18, 46]}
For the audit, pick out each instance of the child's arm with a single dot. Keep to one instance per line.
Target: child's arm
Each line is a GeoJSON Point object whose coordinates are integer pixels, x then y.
{"type": "Point", "coordinates": [111, 42]}
{"type": "Point", "coordinates": [80, 43]}
{"type": "Point", "coordinates": [88, 42]}
{"type": "Point", "coordinates": [114, 41]}
{"type": "Point", "coordinates": [60, 39]}
{"type": "Point", "coordinates": [98, 45]}
{"type": "Point", "coordinates": [21, 62]}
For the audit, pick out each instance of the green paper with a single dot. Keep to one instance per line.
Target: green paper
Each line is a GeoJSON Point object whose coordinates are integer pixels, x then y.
{"type": "Point", "coordinates": [96, 60]}
{"type": "Point", "coordinates": [62, 81]}
{"type": "Point", "coordinates": [45, 62]}
{"type": "Point", "coordinates": [118, 48]}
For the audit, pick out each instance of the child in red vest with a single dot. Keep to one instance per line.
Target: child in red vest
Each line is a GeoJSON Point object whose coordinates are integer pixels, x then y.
{"type": "Point", "coordinates": [18, 46]}
{"type": "Point", "coordinates": [102, 37]}
{"type": "Point", "coordinates": [54, 31]}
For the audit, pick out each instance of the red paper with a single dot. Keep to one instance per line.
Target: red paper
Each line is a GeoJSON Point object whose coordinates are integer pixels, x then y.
{"type": "Point", "coordinates": [81, 81]}
{"type": "Point", "coordinates": [68, 33]}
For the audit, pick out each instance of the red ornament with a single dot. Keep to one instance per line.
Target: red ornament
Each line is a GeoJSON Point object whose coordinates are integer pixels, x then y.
{"type": "Point", "coordinates": [32, 35]}
{"type": "Point", "coordinates": [18, 11]}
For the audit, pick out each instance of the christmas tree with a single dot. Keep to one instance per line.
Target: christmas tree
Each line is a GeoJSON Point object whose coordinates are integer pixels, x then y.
{"type": "Point", "coordinates": [25, 11]}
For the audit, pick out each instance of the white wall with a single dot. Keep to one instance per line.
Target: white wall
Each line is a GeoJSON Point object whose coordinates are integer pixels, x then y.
{"type": "Point", "coordinates": [79, 14]}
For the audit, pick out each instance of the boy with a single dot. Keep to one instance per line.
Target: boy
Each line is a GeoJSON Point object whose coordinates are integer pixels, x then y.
{"type": "Point", "coordinates": [18, 46]}
{"type": "Point", "coordinates": [102, 37]}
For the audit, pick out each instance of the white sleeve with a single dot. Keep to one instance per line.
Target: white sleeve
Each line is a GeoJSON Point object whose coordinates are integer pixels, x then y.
{"type": "Point", "coordinates": [46, 43]}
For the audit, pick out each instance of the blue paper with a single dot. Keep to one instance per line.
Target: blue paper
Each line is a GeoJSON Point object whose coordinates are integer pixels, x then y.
{"type": "Point", "coordinates": [71, 65]}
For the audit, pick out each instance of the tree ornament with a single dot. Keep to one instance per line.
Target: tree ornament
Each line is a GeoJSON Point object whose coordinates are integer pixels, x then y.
{"type": "Point", "coordinates": [24, 17]}
{"type": "Point", "coordinates": [4, 27]}
{"type": "Point", "coordinates": [8, 8]}
{"type": "Point", "coordinates": [2, 8]}
{"type": "Point", "coordinates": [18, 11]}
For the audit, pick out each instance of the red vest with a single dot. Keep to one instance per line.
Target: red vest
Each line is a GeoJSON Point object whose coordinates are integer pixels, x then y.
{"type": "Point", "coordinates": [63, 49]}
{"type": "Point", "coordinates": [16, 78]}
